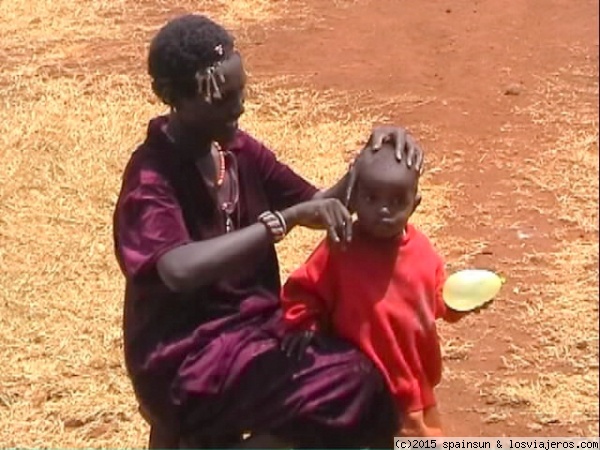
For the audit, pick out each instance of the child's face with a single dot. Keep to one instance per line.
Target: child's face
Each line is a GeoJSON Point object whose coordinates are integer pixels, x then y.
{"type": "Point", "coordinates": [384, 202]}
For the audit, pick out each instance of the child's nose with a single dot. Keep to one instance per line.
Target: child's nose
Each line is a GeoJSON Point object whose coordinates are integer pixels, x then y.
{"type": "Point", "coordinates": [384, 211]}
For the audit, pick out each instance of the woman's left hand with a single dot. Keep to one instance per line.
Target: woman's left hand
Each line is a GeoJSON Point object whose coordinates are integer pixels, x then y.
{"type": "Point", "coordinates": [405, 147]}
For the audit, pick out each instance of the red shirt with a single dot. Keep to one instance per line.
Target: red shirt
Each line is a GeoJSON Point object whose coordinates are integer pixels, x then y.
{"type": "Point", "coordinates": [384, 296]}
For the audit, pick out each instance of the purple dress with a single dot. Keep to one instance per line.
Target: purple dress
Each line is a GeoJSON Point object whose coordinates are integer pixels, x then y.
{"type": "Point", "coordinates": [208, 362]}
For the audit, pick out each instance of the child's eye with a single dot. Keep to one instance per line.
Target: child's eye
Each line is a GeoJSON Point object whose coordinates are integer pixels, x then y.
{"type": "Point", "coordinates": [400, 202]}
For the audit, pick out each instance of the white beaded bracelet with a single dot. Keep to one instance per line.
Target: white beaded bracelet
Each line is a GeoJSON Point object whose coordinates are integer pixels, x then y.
{"type": "Point", "coordinates": [274, 224]}
{"type": "Point", "coordinates": [282, 221]}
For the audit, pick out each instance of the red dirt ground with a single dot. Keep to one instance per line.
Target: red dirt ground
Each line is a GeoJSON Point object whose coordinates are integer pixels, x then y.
{"type": "Point", "coordinates": [464, 53]}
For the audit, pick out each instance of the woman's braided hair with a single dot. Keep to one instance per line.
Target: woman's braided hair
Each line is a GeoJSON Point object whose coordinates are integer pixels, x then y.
{"type": "Point", "coordinates": [180, 50]}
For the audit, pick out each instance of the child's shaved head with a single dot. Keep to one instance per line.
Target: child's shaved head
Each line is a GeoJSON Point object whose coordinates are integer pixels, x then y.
{"type": "Point", "coordinates": [383, 165]}
{"type": "Point", "coordinates": [386, 192]}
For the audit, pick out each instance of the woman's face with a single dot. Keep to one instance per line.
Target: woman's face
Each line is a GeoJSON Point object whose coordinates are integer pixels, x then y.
{"type": "Point", "coordinates": [218, 120]}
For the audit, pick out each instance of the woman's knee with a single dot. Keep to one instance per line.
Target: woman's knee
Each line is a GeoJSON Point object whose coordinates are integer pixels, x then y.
{"type": "Point", "coordinates": [379, 413]}
{"type": "Point", "coordinates": [364, 371]}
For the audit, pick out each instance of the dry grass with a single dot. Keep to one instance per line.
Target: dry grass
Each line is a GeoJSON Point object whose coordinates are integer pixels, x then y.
{"type": "Point", "coordinates": [63, 38]}
{"type": "Point", "coordinates": [561, 311]}
{"type": "Point", "coordinates": [551, 398]}
{"type": "Point", "coordinates": [64, 138]}
{"type": "Point", "coordinates": [76, 103]}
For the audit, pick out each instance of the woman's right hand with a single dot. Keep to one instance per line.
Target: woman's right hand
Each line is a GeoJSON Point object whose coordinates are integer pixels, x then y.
{"type": "Point", "coordinates": [325, 213]}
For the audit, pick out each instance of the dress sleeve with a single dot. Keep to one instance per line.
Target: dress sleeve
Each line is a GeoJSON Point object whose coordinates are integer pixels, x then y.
{"type": "Point", "coordinates": [149, 223]}
{"type": "Point", "coordinates": [442, 311]}
{"type": "Point", "coordinates": [283, 186]}
{"type": "Point", "coordinates": [307, 296]}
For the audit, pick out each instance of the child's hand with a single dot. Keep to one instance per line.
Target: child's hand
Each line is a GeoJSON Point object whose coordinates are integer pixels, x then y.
{"type": "Point", "coordinates": [481, 308]}
{"type": "Point", "coordinates": [453, 316]}
{"type": "Point", "coordinates": [294, 344]}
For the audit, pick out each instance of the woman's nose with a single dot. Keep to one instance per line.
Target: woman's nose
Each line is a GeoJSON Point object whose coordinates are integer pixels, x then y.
{"type": "Point", "coordinates": [238, 109]}
{"type": "Point", "coordinates": [241, 108]}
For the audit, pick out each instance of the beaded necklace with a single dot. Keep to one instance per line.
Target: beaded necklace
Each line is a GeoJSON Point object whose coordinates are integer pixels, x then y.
{"type": "Point", "coordinates": [227, 207]}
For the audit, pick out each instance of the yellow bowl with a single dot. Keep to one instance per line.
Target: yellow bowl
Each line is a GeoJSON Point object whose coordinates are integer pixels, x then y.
{"type": "Point", "coordinates": [469, 289]}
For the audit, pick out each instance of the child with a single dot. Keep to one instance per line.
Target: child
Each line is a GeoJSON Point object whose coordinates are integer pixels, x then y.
{"type": "Point", "coordinates": [383, 292]}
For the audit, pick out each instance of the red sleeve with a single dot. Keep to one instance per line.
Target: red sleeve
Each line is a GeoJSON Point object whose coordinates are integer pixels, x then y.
{"type": "Point", "coordinates": [148, 223]}
{"type": "Point", "coordinates": [309, 293]}
{"type": "Point", "coordinates": [443, 311]}
{"type": "Point", "coordinates": [440, 278]}
{"type": "Point", "coordinates": [283, 186]}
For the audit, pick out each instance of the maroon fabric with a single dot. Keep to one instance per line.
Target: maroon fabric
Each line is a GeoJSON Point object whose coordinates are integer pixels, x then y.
{"type": "Point", "coordinates": [198, 360]}
{"type": "Point", "coordinates": [163, 204]}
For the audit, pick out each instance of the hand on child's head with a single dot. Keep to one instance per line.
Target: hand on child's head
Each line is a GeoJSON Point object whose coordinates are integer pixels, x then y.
{"type": "Point", "coordinates": [404, 145]}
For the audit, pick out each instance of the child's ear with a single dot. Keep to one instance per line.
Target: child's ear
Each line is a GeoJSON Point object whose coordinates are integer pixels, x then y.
{"type": "Point", "coordinates": [417, 201]}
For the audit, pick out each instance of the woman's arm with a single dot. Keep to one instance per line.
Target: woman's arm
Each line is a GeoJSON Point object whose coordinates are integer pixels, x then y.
{"type": "Point", "coordinates": [151, 236]}
{"type": "Point", "coordinates": [189, 266]}
{"type": "Point", "coordinates": [201, 263]}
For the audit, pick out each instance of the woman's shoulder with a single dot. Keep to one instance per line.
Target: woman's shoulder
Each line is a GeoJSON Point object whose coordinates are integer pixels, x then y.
{"type": "Point", "coordinates": [246, 146]}
{"type": "Point", "coordinates": [144, 167]}
{"type": "Point", "coordinates": [243, 141]}
{"type": "Point", "coordinates": [148, 162]}
{"type": "Point", "coordinates": [145, 174]}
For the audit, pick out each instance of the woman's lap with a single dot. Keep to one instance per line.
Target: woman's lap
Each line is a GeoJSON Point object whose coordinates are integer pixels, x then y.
{"type": "Point", "coordinates": [237, 379]}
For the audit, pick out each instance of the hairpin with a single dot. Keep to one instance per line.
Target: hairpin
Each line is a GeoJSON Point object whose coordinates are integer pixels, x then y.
{"type": "Point", "coordinates": [207, 78]}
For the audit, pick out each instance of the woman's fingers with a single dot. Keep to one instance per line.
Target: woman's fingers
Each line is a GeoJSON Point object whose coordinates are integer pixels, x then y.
{"type": "Point", "coordinates": [328, 214]}
{"type": "Point", "coordinates": [293, 349]}
{"type": "Point", "coordinates": [400, 139]}
{"type": "Point", "coordinates": [295, 344]}
{"type": "Point", "coordinates": [341, 226]}
{"type": "Point", "coordinates": [414, 154]}
{"type": "Point", "coordinates": [342, 221]}
{"type": "Point", "coordinates": [384, 133]}
{"type": "Point", "coordinates": [348, 225]}
{"type": "Point", "coordinates": [405, 145]}
{"type": "Point", "coordinates": [329, 222]}
{"type": "Point", "coordinates": [350, 186]}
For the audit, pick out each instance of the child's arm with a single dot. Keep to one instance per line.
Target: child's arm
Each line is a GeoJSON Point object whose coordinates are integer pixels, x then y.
{"type": "Point", "coordinates": [442, 310]}
{"type": "Point", "coordinates": [307, 295]}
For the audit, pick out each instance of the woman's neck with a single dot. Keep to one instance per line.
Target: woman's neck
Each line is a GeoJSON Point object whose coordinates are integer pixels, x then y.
{"type": "Point", "coordinates": [189, 140]}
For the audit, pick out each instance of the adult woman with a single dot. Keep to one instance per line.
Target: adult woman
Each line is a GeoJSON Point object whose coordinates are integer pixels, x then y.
{"type": "Point", "coordinates": [194, 236]}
